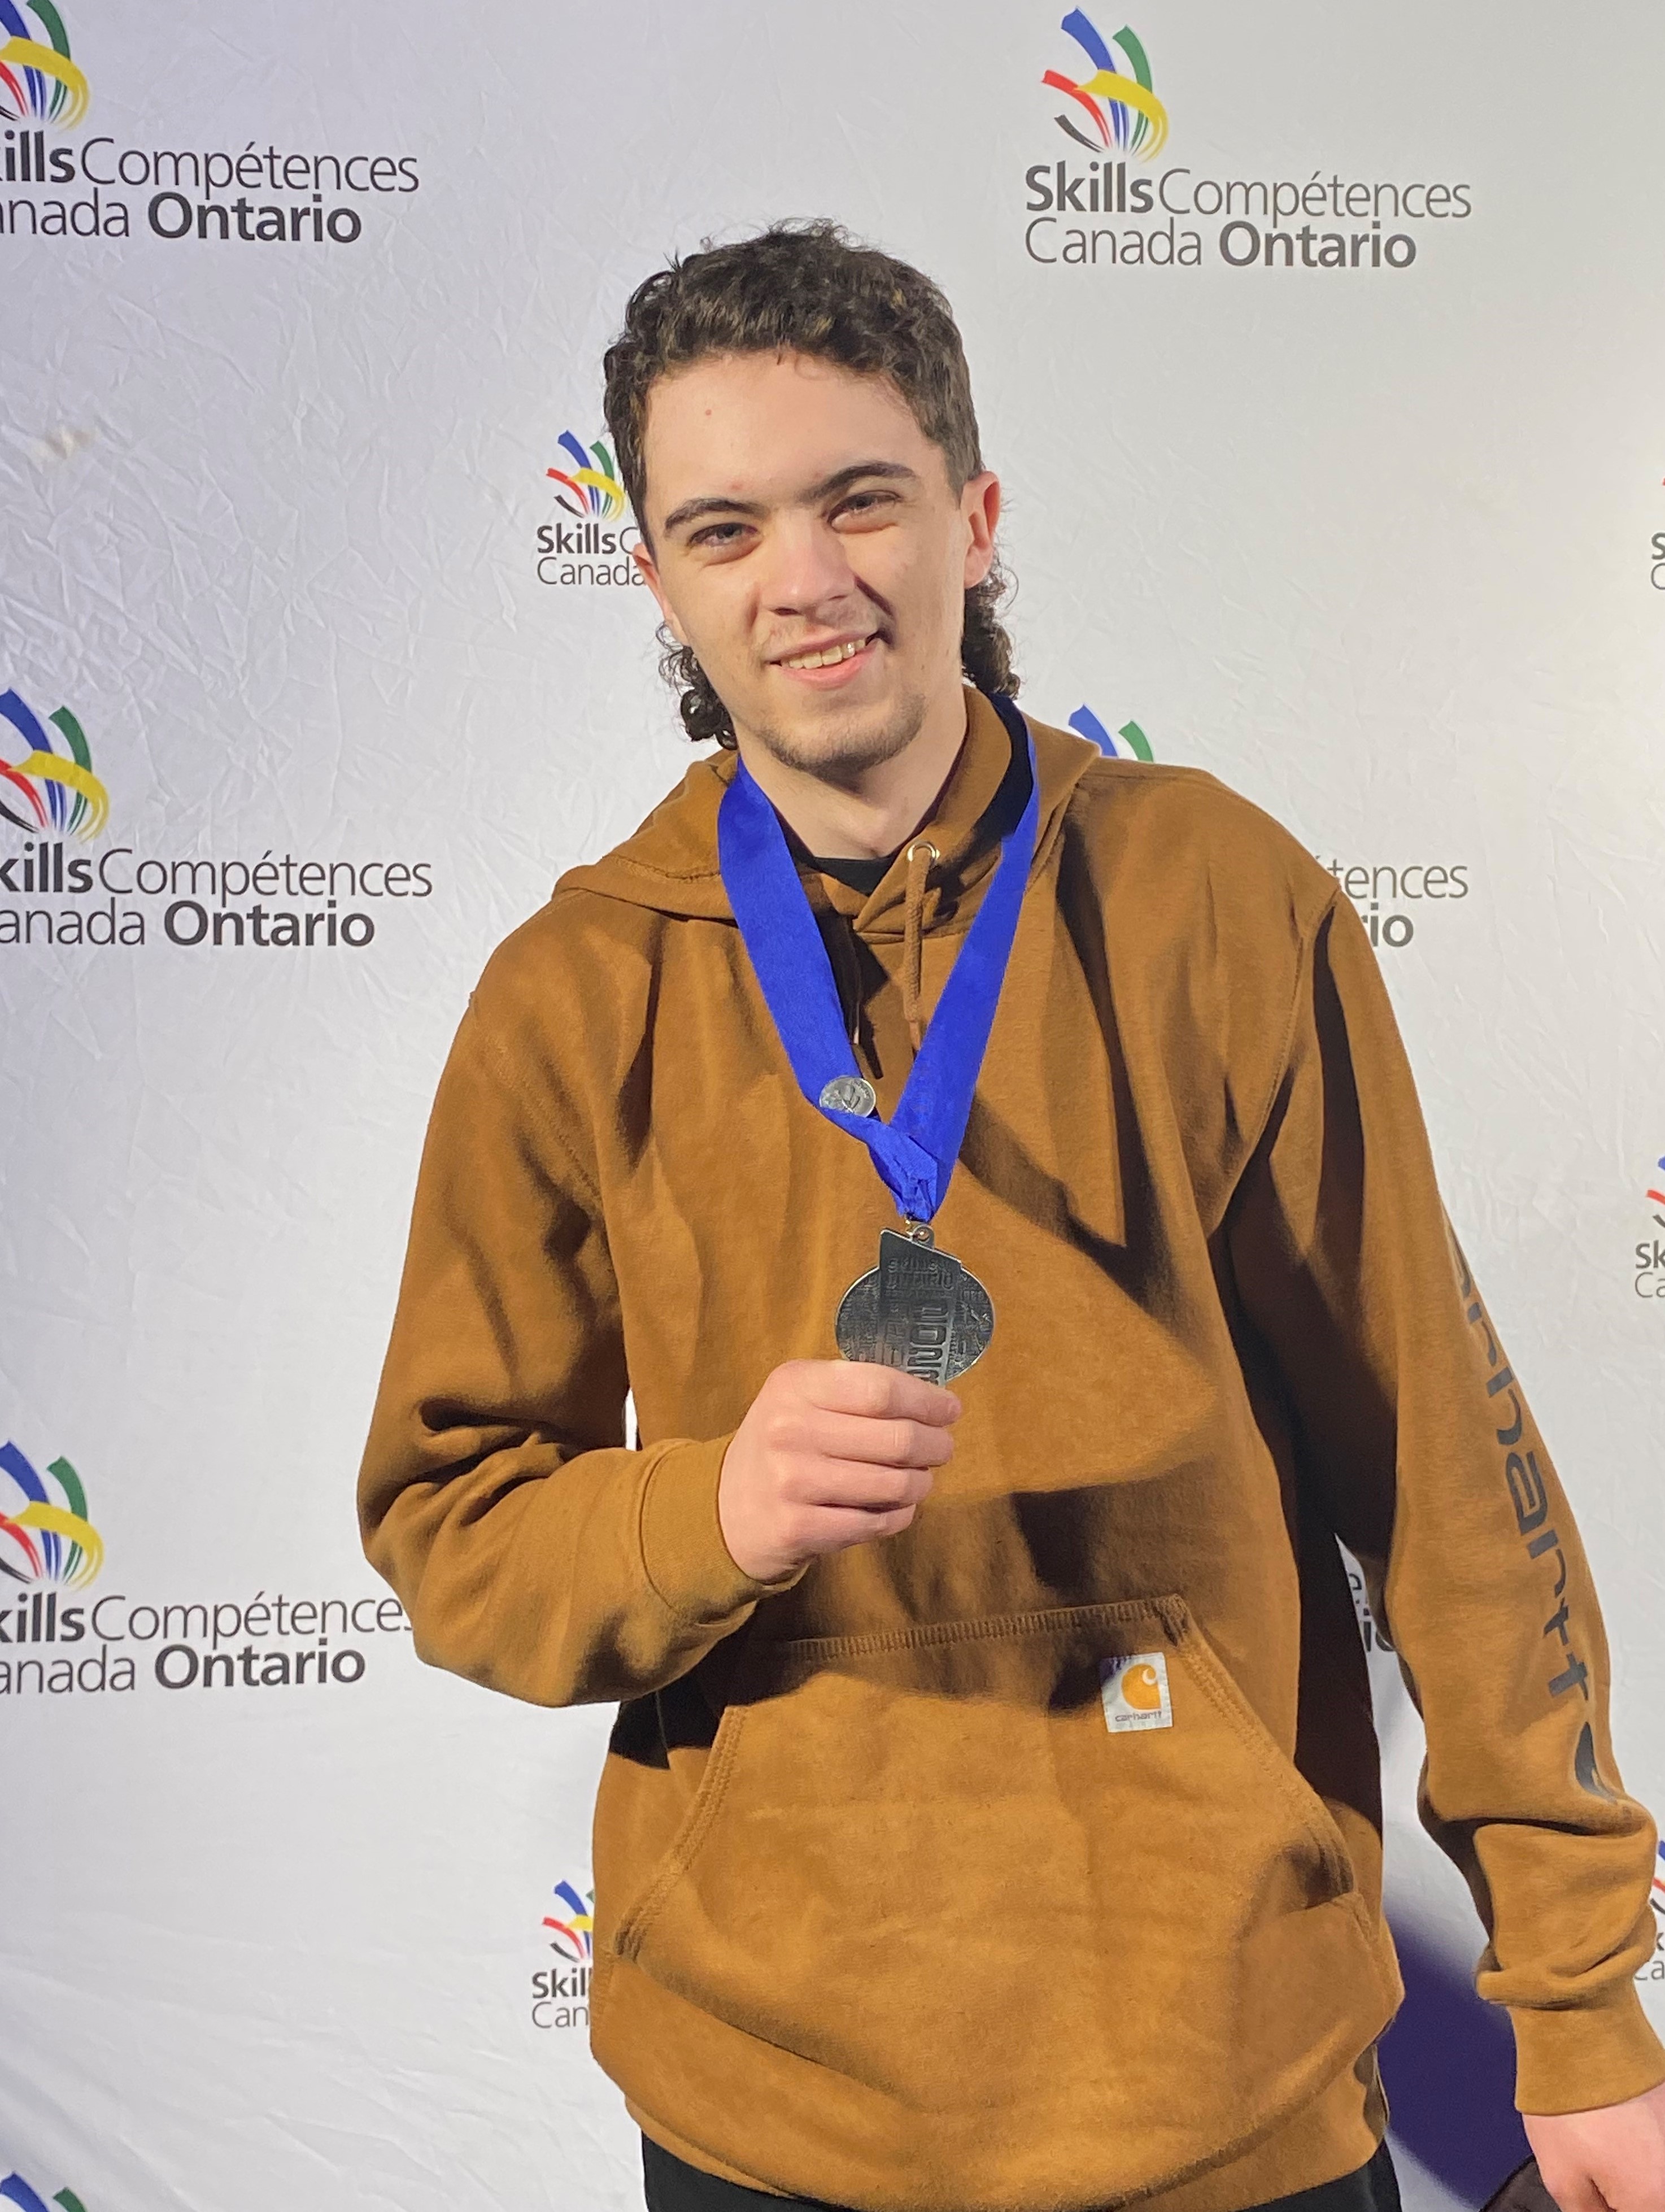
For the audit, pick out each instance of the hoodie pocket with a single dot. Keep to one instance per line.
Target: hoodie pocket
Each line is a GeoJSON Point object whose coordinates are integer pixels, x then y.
{"type": "Point", "coordinates": [1008, 1864]}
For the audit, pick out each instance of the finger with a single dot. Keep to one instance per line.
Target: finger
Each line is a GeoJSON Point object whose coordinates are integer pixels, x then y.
{"type": "Point", "coordinates": [1572, 2187]}
{"type": "Point", "coordinates": [879, 1443]}
{"type": "Point", "coordinates": [836, 1530]}
{"type": "Point", "coordinates": [836, 1483]}
{"type": "Point", "coordinates": [861, 1385]}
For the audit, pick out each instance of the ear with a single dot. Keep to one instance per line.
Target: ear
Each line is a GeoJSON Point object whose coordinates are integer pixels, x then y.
{"type": "Point", "coordinates": [980, 509]}
{"type": "Point", "coordinates": [648, 569]}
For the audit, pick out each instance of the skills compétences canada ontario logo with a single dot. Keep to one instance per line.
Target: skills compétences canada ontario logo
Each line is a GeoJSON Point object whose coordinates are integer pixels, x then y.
{"type": "Point", "coordinates": [560, 1992]}
{"type": "Point", "coordinates": [61, 1637]}
{"type": "Point", "coordinates": [202, 194]}
{"type": "Point", "coordinates": [56, 890]}
{"type": "Point", "coordinates": [587, 541]}
{"type": "Point", "coordinates": [1129, 204]}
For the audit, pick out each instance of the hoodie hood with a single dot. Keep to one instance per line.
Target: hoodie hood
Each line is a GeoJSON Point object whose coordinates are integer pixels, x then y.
{"type": "Point", "coordinates": [670, 864]}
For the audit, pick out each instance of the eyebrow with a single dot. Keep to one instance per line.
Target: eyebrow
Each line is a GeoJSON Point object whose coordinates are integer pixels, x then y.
{"type": "Point", "coordinates": [694, 510]}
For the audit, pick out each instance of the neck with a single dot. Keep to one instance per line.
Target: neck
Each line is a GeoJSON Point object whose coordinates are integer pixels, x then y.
{"type": "Point", "coordinates": [876, 811]}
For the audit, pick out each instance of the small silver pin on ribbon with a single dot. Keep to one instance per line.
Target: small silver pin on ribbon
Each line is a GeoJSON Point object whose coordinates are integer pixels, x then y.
{"type": "Point", "coordinates": [850, 1094]}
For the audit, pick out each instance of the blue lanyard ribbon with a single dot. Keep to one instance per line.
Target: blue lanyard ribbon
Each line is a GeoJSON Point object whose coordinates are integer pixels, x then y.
{"type": "Point", "coordinates": [916, 1150]}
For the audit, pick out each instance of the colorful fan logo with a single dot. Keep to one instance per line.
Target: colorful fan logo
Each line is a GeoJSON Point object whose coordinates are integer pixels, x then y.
{"type": "Point", "coordinates": [1134, 745]}
{"type": "Point", "coordinates": [573, 1937]}
{"type": "Point", "coordinates": [60, 794]}
{"type": "Point", "coordinates": [48, 1538]}
{"type": "Point", "coordinates": [38, 83]}
{"type": "Point", "coordinates": [1658, 1896]}
{"type": "Point", "coordinates": [1125, 115]}
{"type": "Point", "coordinates": [593, 488]}
{"type": "Point", "coordinates": [1658, 1195]}
{"type": "Point", "coordinates": [17, 2191]}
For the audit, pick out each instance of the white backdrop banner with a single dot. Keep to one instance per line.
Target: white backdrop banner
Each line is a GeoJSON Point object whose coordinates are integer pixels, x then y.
{"type": "Point", "coordinates": [1322, 372]}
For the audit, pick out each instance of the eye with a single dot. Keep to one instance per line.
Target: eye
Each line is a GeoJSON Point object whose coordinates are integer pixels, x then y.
{"type": "Point", "coordinates": [719, 534]}
{"type": "Point", "coordinates": [865, 502]}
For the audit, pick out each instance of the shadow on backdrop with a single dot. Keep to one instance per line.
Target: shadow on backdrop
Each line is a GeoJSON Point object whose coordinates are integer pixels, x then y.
{"type": "Point", "coordinates": [1448, 2064]}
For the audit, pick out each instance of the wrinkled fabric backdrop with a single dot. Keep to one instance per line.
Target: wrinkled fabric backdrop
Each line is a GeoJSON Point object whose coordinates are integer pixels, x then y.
{"type": "Point", "coordinates": [1320, 355]}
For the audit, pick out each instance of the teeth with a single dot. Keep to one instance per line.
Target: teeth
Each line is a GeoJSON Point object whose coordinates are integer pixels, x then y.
{"type": "Point", "coordinates": [829, 658]}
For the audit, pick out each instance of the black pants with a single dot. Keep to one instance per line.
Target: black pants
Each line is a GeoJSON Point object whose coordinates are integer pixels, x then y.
{"type": "Point", "coordinates": [672, 2186]}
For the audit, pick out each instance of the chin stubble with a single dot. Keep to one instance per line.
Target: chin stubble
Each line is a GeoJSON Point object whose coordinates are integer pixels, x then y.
{"type": "Point", "coordinates": [842, 754]}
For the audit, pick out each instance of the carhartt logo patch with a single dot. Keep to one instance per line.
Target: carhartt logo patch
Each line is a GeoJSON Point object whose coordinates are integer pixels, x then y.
{"type": "Point", "coordinates": [1134, 1691]}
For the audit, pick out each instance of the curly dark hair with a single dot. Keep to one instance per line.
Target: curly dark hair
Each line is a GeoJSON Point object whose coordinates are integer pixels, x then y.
{"type": "Point", "coordinates": [804, 288]}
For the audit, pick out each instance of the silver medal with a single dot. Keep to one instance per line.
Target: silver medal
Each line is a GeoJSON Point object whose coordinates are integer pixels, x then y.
{"type": "Point", "coordinates": [918, 1309]}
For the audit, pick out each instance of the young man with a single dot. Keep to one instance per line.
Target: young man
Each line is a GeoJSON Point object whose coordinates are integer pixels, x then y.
{"type": "Point", "coordinates": [991, 1822]}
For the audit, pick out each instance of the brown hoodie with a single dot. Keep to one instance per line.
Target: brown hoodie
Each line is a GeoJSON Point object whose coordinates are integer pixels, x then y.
{"type": "Point", "coordinates": [900, 1902]}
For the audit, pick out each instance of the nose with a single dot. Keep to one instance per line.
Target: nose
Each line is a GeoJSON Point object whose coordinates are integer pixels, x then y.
{"type": "Point", "coordinates": [808, 571]}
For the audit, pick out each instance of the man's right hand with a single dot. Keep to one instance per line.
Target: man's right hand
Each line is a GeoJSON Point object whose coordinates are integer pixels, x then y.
{"type": "Point", "coordinates": [833, 1452]}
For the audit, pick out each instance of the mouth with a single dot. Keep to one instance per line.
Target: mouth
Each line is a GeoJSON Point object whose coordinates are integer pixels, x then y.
{"type": "Point", "coordinates": [837, 662]}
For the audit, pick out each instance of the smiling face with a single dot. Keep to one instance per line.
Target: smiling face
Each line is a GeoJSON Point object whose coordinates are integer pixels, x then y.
{"type": "Point", "coordinates": [808, 544]}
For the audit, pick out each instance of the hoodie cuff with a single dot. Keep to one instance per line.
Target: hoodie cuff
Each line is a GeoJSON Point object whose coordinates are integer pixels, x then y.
{"type": "Point", "coordinates": [1577, 2058]}
{"type": "Point", "coordinates": [683, 1550]}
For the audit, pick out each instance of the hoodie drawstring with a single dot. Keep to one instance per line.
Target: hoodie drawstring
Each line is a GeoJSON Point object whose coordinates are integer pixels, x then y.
{"type": "Point", "coordinates": [923, 856]}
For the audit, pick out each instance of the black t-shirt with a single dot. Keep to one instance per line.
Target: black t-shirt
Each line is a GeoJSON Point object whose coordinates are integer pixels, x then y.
{"type": "Point", "coordinates": [863, 876]}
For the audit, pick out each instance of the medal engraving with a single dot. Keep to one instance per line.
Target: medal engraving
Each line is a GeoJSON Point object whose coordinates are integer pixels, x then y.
{"type": "Point", "coordinates": [918, 1309]}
